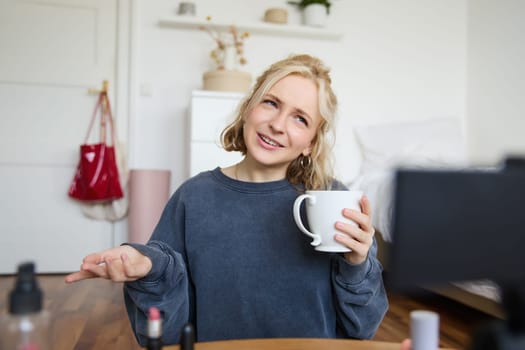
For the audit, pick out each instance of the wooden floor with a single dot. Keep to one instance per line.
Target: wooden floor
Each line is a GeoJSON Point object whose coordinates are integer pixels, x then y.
{"type": "Point", "coordinates": [91, 315]}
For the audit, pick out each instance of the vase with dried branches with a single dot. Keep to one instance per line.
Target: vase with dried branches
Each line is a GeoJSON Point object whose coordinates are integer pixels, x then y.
{"type": "Point", "coordinates": [227, 56]}
{"type": "Point", "coordinates": [229, 50]}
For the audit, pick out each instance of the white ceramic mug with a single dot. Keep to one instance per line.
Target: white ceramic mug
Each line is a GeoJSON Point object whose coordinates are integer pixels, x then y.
{"type": "Point", "coordinates": [323, 210]}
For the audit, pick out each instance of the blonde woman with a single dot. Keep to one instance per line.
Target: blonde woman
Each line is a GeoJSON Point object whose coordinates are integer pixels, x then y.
{"type": "Point", "coordinates": [226, 254]}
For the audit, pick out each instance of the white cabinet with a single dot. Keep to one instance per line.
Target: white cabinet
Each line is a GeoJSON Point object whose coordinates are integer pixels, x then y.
{"type": "Point", "coordinates": [210, 113]}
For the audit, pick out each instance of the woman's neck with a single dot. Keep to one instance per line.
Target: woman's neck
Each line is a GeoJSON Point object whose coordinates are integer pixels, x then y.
{"type": "Point", "coordinates": [248, 171]}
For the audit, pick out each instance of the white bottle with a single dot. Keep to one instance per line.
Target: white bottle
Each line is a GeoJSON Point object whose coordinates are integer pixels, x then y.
{"type": "Point", "coordinates": [26, 326]}
{"type": "Point", "coordinates": [424, 330]}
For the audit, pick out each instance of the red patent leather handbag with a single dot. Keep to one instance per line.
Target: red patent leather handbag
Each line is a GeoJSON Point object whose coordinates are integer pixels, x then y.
{"type": "Point", "coordinates": [97, 178]}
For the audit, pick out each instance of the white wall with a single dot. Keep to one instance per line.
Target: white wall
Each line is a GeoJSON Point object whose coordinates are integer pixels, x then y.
{"type": "Point", "coordinates": [397, 60]}
{"type": "Point", "coordinates": [496, 79]}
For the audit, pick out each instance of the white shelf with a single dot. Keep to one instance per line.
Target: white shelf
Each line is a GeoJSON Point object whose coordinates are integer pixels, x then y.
{"type": "Point", "coordinates": [185, 22]}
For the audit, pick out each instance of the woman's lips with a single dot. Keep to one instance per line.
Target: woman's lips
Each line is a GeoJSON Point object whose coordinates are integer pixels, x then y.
{"type": "Point", "coordinates": [267, 141]}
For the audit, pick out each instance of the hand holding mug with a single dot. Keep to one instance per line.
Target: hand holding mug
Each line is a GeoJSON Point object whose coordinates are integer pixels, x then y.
{"type": "Point", "coordinates": [339, 222]}
{"type": "Point", "coordinates": [358, 238]}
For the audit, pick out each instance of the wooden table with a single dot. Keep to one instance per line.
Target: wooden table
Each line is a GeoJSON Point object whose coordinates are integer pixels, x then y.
{"type": "Point", "coordinates": [293, 344]}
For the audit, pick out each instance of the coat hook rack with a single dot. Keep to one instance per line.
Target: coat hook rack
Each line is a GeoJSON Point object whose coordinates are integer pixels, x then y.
{"type": "Point", "coordinates": [105, 87]}
{"type": "Point", "coordinates": [104, 91]}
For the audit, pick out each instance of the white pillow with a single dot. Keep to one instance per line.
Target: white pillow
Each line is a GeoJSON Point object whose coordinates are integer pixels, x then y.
{"type": "Point", "coordinates": [436, 142]}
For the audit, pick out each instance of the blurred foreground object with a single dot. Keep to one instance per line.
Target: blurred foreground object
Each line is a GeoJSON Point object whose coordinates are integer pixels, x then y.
{"type": "Point", "coordinates": [437, 216]}
{"type": "Point", "coordinates": [26, 326]}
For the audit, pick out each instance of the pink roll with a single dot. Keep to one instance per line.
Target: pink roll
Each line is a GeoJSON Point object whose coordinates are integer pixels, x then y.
{"type": "Point", "coordinates": [149, 192]}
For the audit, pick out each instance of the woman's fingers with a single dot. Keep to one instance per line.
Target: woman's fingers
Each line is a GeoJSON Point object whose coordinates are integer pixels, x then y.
{"type": "Point", "coordinates": [87, 270]}
{"type": "Point", "coordinates": [118, 264]}
{"type": "Point", "coordinates": [94, 258]}
{"type": "Point", "coordinates": [97, 269]}
{"type": "Point", "coordinates": [357, 238]}
{"type": "Point", "coordinates": [128, 268]}
{"type": "Point", "coordinates": [366, 207]}
{"type": "Point", "coordinates": [362, 219]}
{"type": "Point", "coordinates": [358, 248]}
{"type": "Point", "coordinates": [79, 276]}
{"type": "Point", "coordinates": [358, 233]}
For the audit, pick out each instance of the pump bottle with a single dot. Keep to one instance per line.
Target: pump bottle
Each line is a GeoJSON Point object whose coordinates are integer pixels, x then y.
{"type": "Point", "coordinates": [26, 326]}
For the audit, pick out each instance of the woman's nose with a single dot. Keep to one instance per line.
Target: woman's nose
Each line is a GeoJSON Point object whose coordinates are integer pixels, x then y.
{"type": "Point", "coordinates": [277, 123]}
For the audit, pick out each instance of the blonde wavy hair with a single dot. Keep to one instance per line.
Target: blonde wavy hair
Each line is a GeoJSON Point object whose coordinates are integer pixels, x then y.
{"type": "Point", "coordinates": [314, 172]}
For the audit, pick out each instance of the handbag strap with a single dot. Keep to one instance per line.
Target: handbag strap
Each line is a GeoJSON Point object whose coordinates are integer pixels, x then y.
{"type": "Point", "coordinates": [109, 116]}
{"type": "Point", "coordinates": [106, 115]}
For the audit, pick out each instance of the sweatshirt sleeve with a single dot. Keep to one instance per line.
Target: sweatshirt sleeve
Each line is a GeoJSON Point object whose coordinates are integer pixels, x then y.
{"type": "Point", "coordinates": [361, 301]}
{"type": "Point", "coordinates": [166, 286]}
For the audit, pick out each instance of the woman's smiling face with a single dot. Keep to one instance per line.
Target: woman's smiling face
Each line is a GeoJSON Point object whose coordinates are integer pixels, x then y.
{"type": "Point", "coordinates": [283, 125]}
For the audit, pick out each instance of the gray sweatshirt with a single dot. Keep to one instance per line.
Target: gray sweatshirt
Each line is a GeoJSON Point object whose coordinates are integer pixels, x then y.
{"type": "Point", "coordinates": [228, 257]}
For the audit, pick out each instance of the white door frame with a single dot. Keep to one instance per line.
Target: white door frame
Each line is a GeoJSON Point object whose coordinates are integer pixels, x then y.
{"type": "Point", "coordinates": [126, 87]}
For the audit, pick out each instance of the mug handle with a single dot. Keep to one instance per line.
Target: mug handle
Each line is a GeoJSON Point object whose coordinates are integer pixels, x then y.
{"type": "Point", "coordinates": [297, 218]}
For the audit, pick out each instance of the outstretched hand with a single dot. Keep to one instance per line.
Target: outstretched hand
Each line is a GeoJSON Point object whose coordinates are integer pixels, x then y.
{"type": "Point", "coordinates": [406, 344]}
{"type": "Point", "coordinates": [359, 239]}
{"type": "Point", "coordinates": [120, 264]}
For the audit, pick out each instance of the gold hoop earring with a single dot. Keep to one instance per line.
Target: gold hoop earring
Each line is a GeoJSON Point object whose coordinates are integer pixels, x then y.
{"type": "Point", "coordinates": [305, 162]}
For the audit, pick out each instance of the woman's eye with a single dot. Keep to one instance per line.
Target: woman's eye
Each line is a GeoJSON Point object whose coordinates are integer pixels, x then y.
{"type": "Point", "coordinates": [302, 120]}
{"type": "Point", "coordinates": [270, 102]}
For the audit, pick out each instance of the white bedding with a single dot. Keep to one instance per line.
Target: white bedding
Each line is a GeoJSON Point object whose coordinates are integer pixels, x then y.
{"type": "Point", "coordinates": [484, 288]}
{"type": "Point", "coordinates": [427, 143]}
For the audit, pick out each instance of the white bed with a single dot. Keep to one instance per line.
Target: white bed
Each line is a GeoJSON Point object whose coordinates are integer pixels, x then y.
{"type": "Point", "coordinates": [434, 143]}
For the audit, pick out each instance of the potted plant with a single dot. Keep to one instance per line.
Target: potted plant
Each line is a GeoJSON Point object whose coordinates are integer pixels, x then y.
{"type": "Point", "coordinates": [315, 12]}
